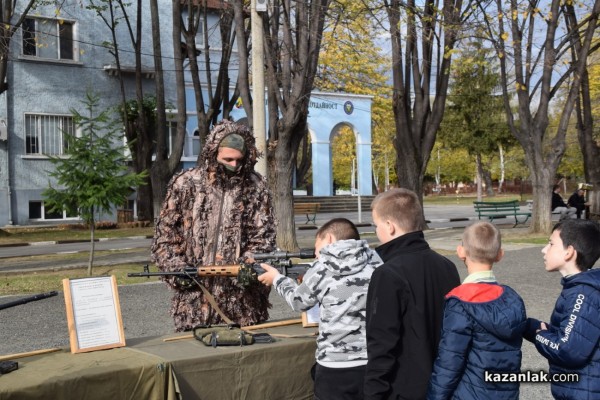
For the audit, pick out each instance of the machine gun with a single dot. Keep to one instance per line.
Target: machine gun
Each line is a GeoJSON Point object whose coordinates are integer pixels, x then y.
{"type": "Point", "coordinates": [245, 272]}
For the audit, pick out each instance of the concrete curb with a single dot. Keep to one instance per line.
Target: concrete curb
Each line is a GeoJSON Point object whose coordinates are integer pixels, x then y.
{"type": "Point", "coordinates": [53, 242]}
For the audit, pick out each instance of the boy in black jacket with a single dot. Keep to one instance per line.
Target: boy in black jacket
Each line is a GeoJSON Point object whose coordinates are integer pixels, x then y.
{"type": "Point", "coordinates": [405, 300]}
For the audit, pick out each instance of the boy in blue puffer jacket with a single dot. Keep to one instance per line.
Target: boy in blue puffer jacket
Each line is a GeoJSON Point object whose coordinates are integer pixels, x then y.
{"type": "Point", "coordinates": [482, 328]}
{"type": "Point", "coordinates": [571, 340]}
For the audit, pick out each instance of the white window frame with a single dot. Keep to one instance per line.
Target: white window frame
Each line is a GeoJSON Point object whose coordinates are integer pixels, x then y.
{"type": "Point", "coordinates": [43, 214]}
{"type": "Point", "coordinates": [200, 35]}
{"type": "Point", "coordinates": [47, 36]}
{"type": "Point", "coordinates": [48, 131]}
{"type": "Point", "coordinates": [171, 133]}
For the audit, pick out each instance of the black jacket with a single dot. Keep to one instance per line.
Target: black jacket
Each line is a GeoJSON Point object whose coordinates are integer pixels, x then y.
{"type": "Point", "coordinates": [557, 201]}
{"type": "Point", "coordinates": [405, 304]}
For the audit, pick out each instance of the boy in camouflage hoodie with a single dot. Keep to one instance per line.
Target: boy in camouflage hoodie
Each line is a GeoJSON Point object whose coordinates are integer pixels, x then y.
{"type": "Point", "coordinates": [338, 282]}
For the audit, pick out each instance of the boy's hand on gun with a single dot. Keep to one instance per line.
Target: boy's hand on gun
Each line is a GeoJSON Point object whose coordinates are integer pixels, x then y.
{"type": "Point", "coordinates": [269, 275]}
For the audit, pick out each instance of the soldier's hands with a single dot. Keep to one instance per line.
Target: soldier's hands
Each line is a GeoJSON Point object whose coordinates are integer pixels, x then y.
{"type": "Point", "coordinates": [268, 277]}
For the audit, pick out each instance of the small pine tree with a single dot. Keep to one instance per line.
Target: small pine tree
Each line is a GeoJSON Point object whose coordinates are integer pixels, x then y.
{"type": "Point", "coordinates": [92, 175]}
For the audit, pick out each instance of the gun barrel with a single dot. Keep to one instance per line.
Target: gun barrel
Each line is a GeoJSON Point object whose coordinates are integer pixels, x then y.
{"type": "Point", "coordinates": [36, 297]}
{"type": "Point", "coordinates": [282, 255]}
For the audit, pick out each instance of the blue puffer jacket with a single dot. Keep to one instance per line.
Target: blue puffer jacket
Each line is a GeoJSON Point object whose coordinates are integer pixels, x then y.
{"type": "Point", "coordinates": [571, 341]}
{"type": "Point", "coordinates": [482, 331]}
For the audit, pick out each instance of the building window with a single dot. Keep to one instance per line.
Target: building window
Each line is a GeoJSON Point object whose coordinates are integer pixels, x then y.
{"type": "Point", "coordinates": [171, 134]}
{"type": "Point", "coordinates": [46, 134]}
{"type": "Point", "coordinates": [49, 39]}
{"type": "Point", "coordinates": [200, 35]}
{"type": "Point", "coordinates": [37, 211]}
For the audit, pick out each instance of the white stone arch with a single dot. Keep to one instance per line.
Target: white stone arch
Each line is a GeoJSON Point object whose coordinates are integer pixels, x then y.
{"type": "Point", "coordinates": [327, 114]}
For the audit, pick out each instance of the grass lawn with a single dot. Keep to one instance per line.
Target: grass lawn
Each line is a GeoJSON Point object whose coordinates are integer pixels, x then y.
{"type": "Point", "coordinates": [24, 235]}
{"type": "Point", "coordinates": [46, 281]}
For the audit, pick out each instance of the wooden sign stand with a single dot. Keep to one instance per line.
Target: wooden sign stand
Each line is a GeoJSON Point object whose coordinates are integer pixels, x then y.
{"type": "Point", "coordinates": [93, 314]}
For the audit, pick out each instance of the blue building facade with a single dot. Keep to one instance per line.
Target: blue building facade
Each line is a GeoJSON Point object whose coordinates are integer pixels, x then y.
{"type": "Point", "coordinates": [57, 58]}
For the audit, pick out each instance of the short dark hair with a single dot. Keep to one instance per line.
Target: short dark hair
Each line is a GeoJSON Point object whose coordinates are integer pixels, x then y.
{"type": "Point", "coordinates": [340, 228]}
{"type": "Point", "coordinates": [555, 187]}
{"type": "Point", "coordinates": [584, 236]}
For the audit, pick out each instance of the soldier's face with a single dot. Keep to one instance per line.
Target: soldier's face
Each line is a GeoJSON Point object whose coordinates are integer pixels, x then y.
{"type": "Point", "coordinates": [230, 158]}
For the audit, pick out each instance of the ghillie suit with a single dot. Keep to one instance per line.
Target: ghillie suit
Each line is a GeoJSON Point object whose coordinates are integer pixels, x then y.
{"type": "Point", "coordinates": [212, 216]}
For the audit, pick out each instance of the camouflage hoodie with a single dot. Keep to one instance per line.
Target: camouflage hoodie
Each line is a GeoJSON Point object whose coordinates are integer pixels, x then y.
{"type": "Point", "coordinates": [338, 281]}
{"type": "Point", "coordinates": [211, 216]}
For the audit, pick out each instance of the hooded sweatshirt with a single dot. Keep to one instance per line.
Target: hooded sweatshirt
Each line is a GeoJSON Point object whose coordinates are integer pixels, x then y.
{"type": "Point", "coordinates": [482, 332]}
{"type": "Point", "coordinates": [338, 282]}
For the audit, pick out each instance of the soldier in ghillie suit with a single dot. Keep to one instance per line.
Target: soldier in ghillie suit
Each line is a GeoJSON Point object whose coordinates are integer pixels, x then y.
{"type": "Point", "coordinates": [217, 213]}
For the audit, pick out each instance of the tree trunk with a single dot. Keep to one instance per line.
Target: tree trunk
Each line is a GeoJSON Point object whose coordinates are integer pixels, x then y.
{"type": "Point", "coordinates": [479, 178]}
{"type": "Point", "coordinates": [280, 172]}
{"type": "Point", "coordinates": [487, 178]}
{"type": "Point", "coordinates": [589, 146]}
{"type": "Point", "coordinates": [92, 245]}
{"type": "Point", "coordinates": [502, 168]}
{"type": "Point", "coordinates": [166, 164]}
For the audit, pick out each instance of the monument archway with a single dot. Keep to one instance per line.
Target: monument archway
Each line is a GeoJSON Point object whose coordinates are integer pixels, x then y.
{"type": "Point", "coordinates": [328, 112]}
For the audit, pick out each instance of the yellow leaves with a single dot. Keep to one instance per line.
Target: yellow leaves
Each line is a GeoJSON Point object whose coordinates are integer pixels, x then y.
{"type": "Point", "coordinates": [549, 16]}
{"type": "Point", "coordinates": [520, 86]}
{"type": "Point", "coordinates": [515, 14]}
{"type": "Point", "coordinates": [504, 36]}
{"type": "Point", "coordinates": [500, 54]}
{"type": "Point", "coordinates": [61, 21]}
{"type": "Point", "coordinates": [449, 52]}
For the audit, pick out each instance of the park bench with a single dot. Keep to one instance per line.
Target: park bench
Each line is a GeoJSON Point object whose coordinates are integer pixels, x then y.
{"type": "Point", "coordinates": [308, 209]}
{"type": "Point", "coordinates": [555, 215]}
{"type": "Point", "coordinates": [500, 209]}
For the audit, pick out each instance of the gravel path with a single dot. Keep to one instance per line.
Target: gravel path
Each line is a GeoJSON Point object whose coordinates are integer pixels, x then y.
{"type": "Point", "coordinates": [144, 307]}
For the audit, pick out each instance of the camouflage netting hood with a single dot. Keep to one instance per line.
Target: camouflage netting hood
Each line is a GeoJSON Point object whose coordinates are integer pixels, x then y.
{"type": "Point", "coordinates": [208, 158]}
